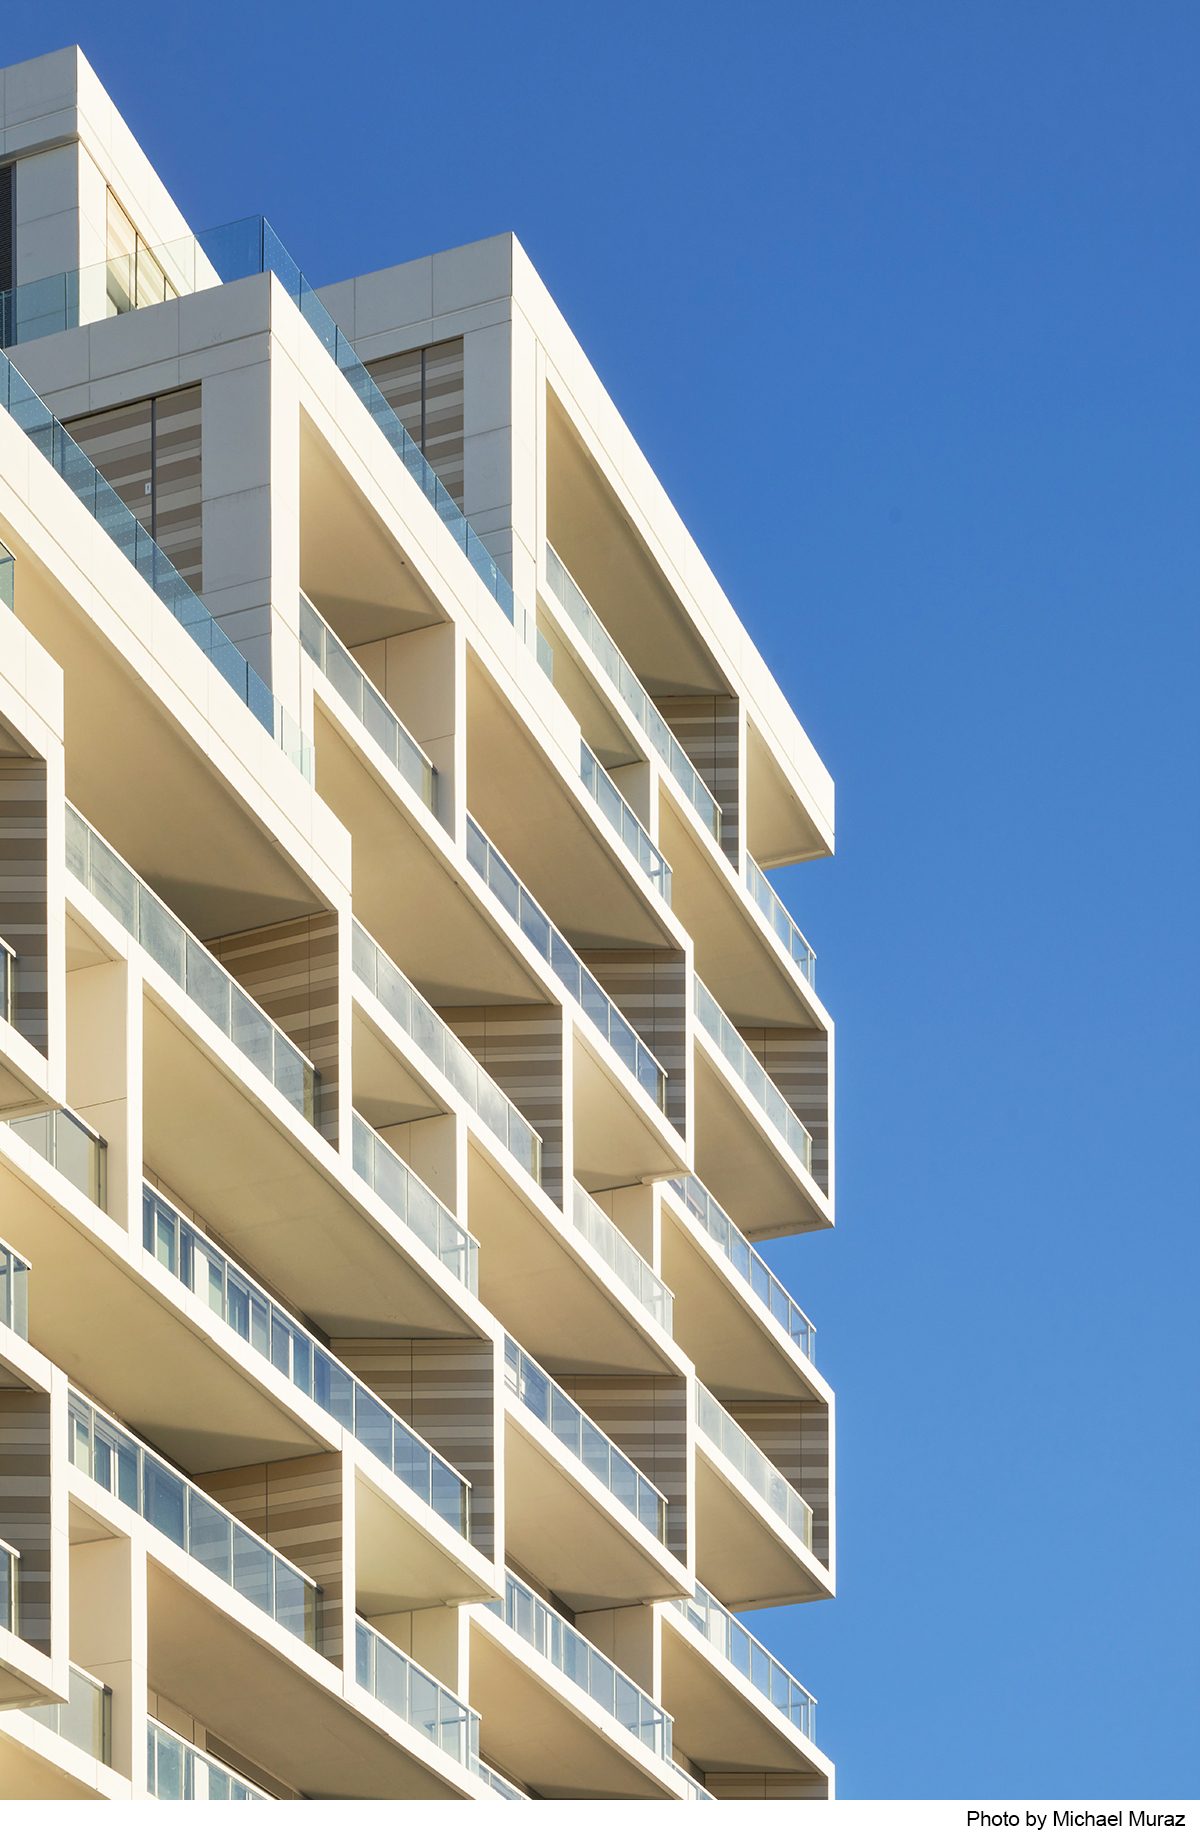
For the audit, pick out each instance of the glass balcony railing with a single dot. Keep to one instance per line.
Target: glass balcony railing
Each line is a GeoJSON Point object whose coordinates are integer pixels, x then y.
{"type": "Point", "coordinates": [10, 1587]}
{"type": "Point", "coordinates": [178, 1770]}
{"type": "Point", "coordinates": [734, 1246]}
{"type": "Point", "coordinates": [190, 965]}
{"type": "Point", "coordinates": [70, 1145]}
{"type": "Point", "coordinates": [14, 1290]}
{"type": "Point", "coordinates": [689, 1785]}
{"type": "Point", "coordinates": [762, 1476]}
{"type": "Point", "coordinates": [585, 1440]}
{"type": "Point", "coordinates": [503, 1789]}
{"type": "Point", "coordinates": [569, 969]}
{"type": "Point", "coordinates": [221, 1285]}
{"type": "Point", "coordinates": [749, 1657]}
{"type": "Point", "coordinates": [85, 1720]}
{"type": "Point", "coordinates": [415, 1696]}
{"type": "Point", "coordinates": [136, 543]}
{"type": "Point", "coordinates": [551, 1635]}
{"type": "Point", "coordinates": [166, 1499]}
{"type": "Point", "coordinates": [356, 688]}
{"type": "Point", "coordinates": [8, 982]}
{"type": "Point", "coordinates": [419, 1208]}
{"type": "Point", "coordinates": [781, 922]}
{"type": "Point", "coordinates": [752, 1074]}
{"type": "Point", "coordinates": [624, 680]}
{"type": "Point", "coordinates": [426, 1029]}
{"type": "Point", "coordinates": [624, 821]}
{"type": "Point", "coordinates": [8, 574]}
{"type": "Point", "coordinates": [627, 1265]}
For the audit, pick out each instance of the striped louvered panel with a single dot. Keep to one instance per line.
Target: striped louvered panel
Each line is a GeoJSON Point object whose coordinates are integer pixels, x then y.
{"type": "Point", "coordinates": [425, 389]}
{"type": "Point", "coordinates": [290, 969]}
{"type": "Point", "coordinates": [178, 508]}
{"type": "Point", "coordinates": [650, 989]}
{"type": "Point", "coordinates": [795, 1436]}
{"type": "Point", "coordinates": [521, 1047]}
{"type": "Point", "coordinates": [149, 451]}
{"type": "Point", "coordinates": [296, 1506]}
{"type": "Point", "coordinates": [797, 1059]}
{"type": "Point", "coordinates": [647, 1419]}
{"type": "Point", "coordinates": [706, 727]}
{"type": "Point", "coordinates": [444, 1389]}
{"type": "Point", "coordinates": [23, 889]}
{"type": "Point", "coordinates": [25, 1504]}
{"type": "Point", "coordinates": [767, 1786]}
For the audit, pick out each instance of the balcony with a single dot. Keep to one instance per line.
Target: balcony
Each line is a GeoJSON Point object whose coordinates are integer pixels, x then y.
{"type": "Point", "coordinates": [583, 622]}
{"type": "Point", "coordinates": [190, 965]}
{"type": "Point", "coordinates": [579, 1512]}
{"type": "Point", "coordinates": [566, 965]}
{"type": "Point", "coordinates": [415, 1696]}
{"type": "Point", "coordinates": [559, 1715]}
{"type": "Point", "coordinates": [759, 1720]}
{"type": "Point", "coordinates": [625, 822]}
{"type": "Point", "coordinates": [733, 1316]}
{"type": "Point", "coordinates": [424, 1027]}
{"type": "Point", "coordinates": [781, 922]}
{"type": "Point", "coordinates": [178, 1770]}
{"type": "Point", "coordinates": [258, 1320]}
{"type": "Point", "coordinates": [351, 682]}
{"type": "Point", "coordinates": [754, 1529]}
{"type": "Point", "coordinates": [71, 1146]}
{"type": "Point", "coordinates": [627, 1265]}
{"type": "Point", "coordinates": [122, 1465]}
{"type": "Point", "coordinates": [753, 1150]}
{"type": "Point", "coordinates": [406, 1195]}
{"type": "Point", "coordinates": [14, 1291]}
{"type": "Point", "coordinates": [119, 523]}
{"type": "Point", "coordinates": [740, 1254]}
{"type": "Point", "coordinates": [85, 1720]}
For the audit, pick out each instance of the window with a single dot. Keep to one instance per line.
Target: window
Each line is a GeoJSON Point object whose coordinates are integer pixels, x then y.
{"type": "Point", "coordinates": [135, 275]}
{"type": "Point", "coordinates": [425, 389]}
{"type": "Point", "coordinates": [149, 452]}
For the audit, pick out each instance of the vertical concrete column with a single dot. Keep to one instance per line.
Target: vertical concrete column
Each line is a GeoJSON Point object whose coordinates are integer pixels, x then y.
{"type": "Point", "coordinates": [104, 1069]}
{"type": "Point", "coordinates": [109, 1640]}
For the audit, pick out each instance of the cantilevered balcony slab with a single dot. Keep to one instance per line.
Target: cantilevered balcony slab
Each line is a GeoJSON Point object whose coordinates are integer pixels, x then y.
{"type": "Point", "coordinates": [746, 1335]}
{"type": "Point", "coordinates": [285, 1203]}
{"type": "Point", "coordinates": [39, 1764]}
{"type": "Point", "coordinates": [737, 953]}
{"type": "Point", "coordinates": [745, 1160]}
{"type": "Point", "coordinates": [405, 1555]}
{"type": "Point", "coordinates": [621, 1135]}
{"type": "Point", "coordinates": [539, 1727]}
{"type": "Point", "coordinates": [745, 1551]}
{"type": "Point", "coordinates": [541, 1277]}
{"type": "Point", "coordinates": [568, 1529]}
{"type": "Point", "coordinates": [722, 1722]}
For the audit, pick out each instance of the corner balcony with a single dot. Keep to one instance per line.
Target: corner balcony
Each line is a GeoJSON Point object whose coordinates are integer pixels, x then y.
{"type": "Point", "coordinates": [577, 1510]}
{"type": "Point", "coordinates": [557, 1713]}
{"type": "Point", "coordinates": [621, 1130]}
{"type": "Point", "coordinates": [754, 1530]}
{"type": "Point", "coordinates": [735, 1708]}
{"type": "Point", "coordinates": [753, 1150]}
{"type": "Point", "coordinates": [735, 1319]}
{"type": "Point", "coordinates": [413, 1521]}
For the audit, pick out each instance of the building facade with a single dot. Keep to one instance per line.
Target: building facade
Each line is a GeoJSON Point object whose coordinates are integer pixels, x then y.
{"type": "Point", "coordinates": [404, 1055]}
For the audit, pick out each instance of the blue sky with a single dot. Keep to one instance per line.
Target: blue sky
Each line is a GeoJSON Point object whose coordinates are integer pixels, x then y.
{"type": "Point", "coordinates": [901, 301]}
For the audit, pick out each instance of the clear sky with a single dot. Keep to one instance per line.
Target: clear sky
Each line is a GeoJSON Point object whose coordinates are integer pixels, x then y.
{"type": "Point", "coordinates": [902, 303]}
